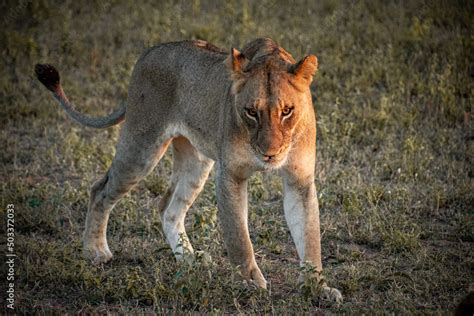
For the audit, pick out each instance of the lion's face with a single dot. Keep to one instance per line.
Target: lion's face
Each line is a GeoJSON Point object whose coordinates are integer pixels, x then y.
{"type": "Point", "coordinates": [270, 100]}
{"type": "Point", "coordinates": [270, 112]}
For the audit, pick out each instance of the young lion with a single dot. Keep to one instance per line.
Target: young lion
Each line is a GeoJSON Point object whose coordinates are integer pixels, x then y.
{"type": "Point", "coordinates": [245, 111]}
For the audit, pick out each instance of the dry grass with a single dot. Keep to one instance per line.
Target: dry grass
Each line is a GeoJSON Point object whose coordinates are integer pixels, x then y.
{"type": "Point", "coordinates": [395, 151]}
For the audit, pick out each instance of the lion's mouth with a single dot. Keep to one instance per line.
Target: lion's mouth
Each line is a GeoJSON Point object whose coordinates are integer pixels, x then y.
{"type": "Point", "coordinates": [274, 161]}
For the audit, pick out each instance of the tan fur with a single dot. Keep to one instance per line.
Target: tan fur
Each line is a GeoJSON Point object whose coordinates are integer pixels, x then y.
{"type": "Point", "coordinates": [220, 107]}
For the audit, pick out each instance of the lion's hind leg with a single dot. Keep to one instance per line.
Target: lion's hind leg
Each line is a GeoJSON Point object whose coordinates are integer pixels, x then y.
{"type": "Point", "coordinates": [190, 171]}
{"type": "Point", "coordinates": [132, 162]}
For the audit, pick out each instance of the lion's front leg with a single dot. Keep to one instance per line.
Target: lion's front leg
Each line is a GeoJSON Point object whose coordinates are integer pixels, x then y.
{"type": "Point", "coordinates": [302, 215]}
{"type": "Point", "coordinates": [232, 210]}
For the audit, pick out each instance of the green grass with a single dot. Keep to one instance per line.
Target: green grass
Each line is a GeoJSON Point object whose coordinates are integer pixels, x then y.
{"type": "Point", "coordinates": [395, 172]}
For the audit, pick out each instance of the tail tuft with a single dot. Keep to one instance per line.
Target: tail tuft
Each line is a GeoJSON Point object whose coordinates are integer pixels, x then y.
{"type": "Point", "coordinates": [48, 75]}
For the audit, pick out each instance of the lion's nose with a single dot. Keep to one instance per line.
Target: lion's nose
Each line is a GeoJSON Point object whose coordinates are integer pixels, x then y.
{"type": "Point", "coordinates": [269, 154]}
{"type": "Point", "coordinates": [268, 158]}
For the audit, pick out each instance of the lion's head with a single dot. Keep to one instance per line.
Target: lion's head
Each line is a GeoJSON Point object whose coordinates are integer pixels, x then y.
{"type": "Point", "coordinates": [271, 94]}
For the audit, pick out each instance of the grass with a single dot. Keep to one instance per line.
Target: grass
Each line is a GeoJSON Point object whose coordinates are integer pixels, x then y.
{"type": "Point", "coordinates": [394, 173]}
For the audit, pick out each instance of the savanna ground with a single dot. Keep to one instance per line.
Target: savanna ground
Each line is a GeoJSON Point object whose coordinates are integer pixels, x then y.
{"type": "Point", "coordinates": [393, 97]}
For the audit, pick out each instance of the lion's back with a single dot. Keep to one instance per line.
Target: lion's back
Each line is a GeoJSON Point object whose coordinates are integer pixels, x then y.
{"type": "Point", "coordinates": [177, 79]}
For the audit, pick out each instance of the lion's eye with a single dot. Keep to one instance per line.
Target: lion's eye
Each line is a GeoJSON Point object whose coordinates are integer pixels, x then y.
{"type": "Point", "coordinates": [287, 110]}
{"type": "Point", "coordinates": [251, 112]}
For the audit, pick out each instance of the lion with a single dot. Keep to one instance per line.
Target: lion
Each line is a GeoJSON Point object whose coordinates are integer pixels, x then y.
{"type": "Point", "coordinates": [242, 111]}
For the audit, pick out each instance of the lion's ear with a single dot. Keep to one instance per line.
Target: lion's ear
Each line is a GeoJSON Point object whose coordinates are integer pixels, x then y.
{"type": "Point", "coordinates": [236, 62]}
{"type": "Point", "coordinates": [305, 69]}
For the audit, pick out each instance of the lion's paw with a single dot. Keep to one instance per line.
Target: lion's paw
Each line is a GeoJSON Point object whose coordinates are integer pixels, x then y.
{"type": "Point", "coordinates": [331, 294]}
{"type": "Point", "coordinates": [97, 252]}
{"type": "Point", "coordinates": [253, 277]}
{"type": "Point", "coordinates": [258, 278]}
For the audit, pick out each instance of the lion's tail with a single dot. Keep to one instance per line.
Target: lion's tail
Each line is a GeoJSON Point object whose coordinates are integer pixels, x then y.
{"type": "Point", "coordinates": [49, 77]}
